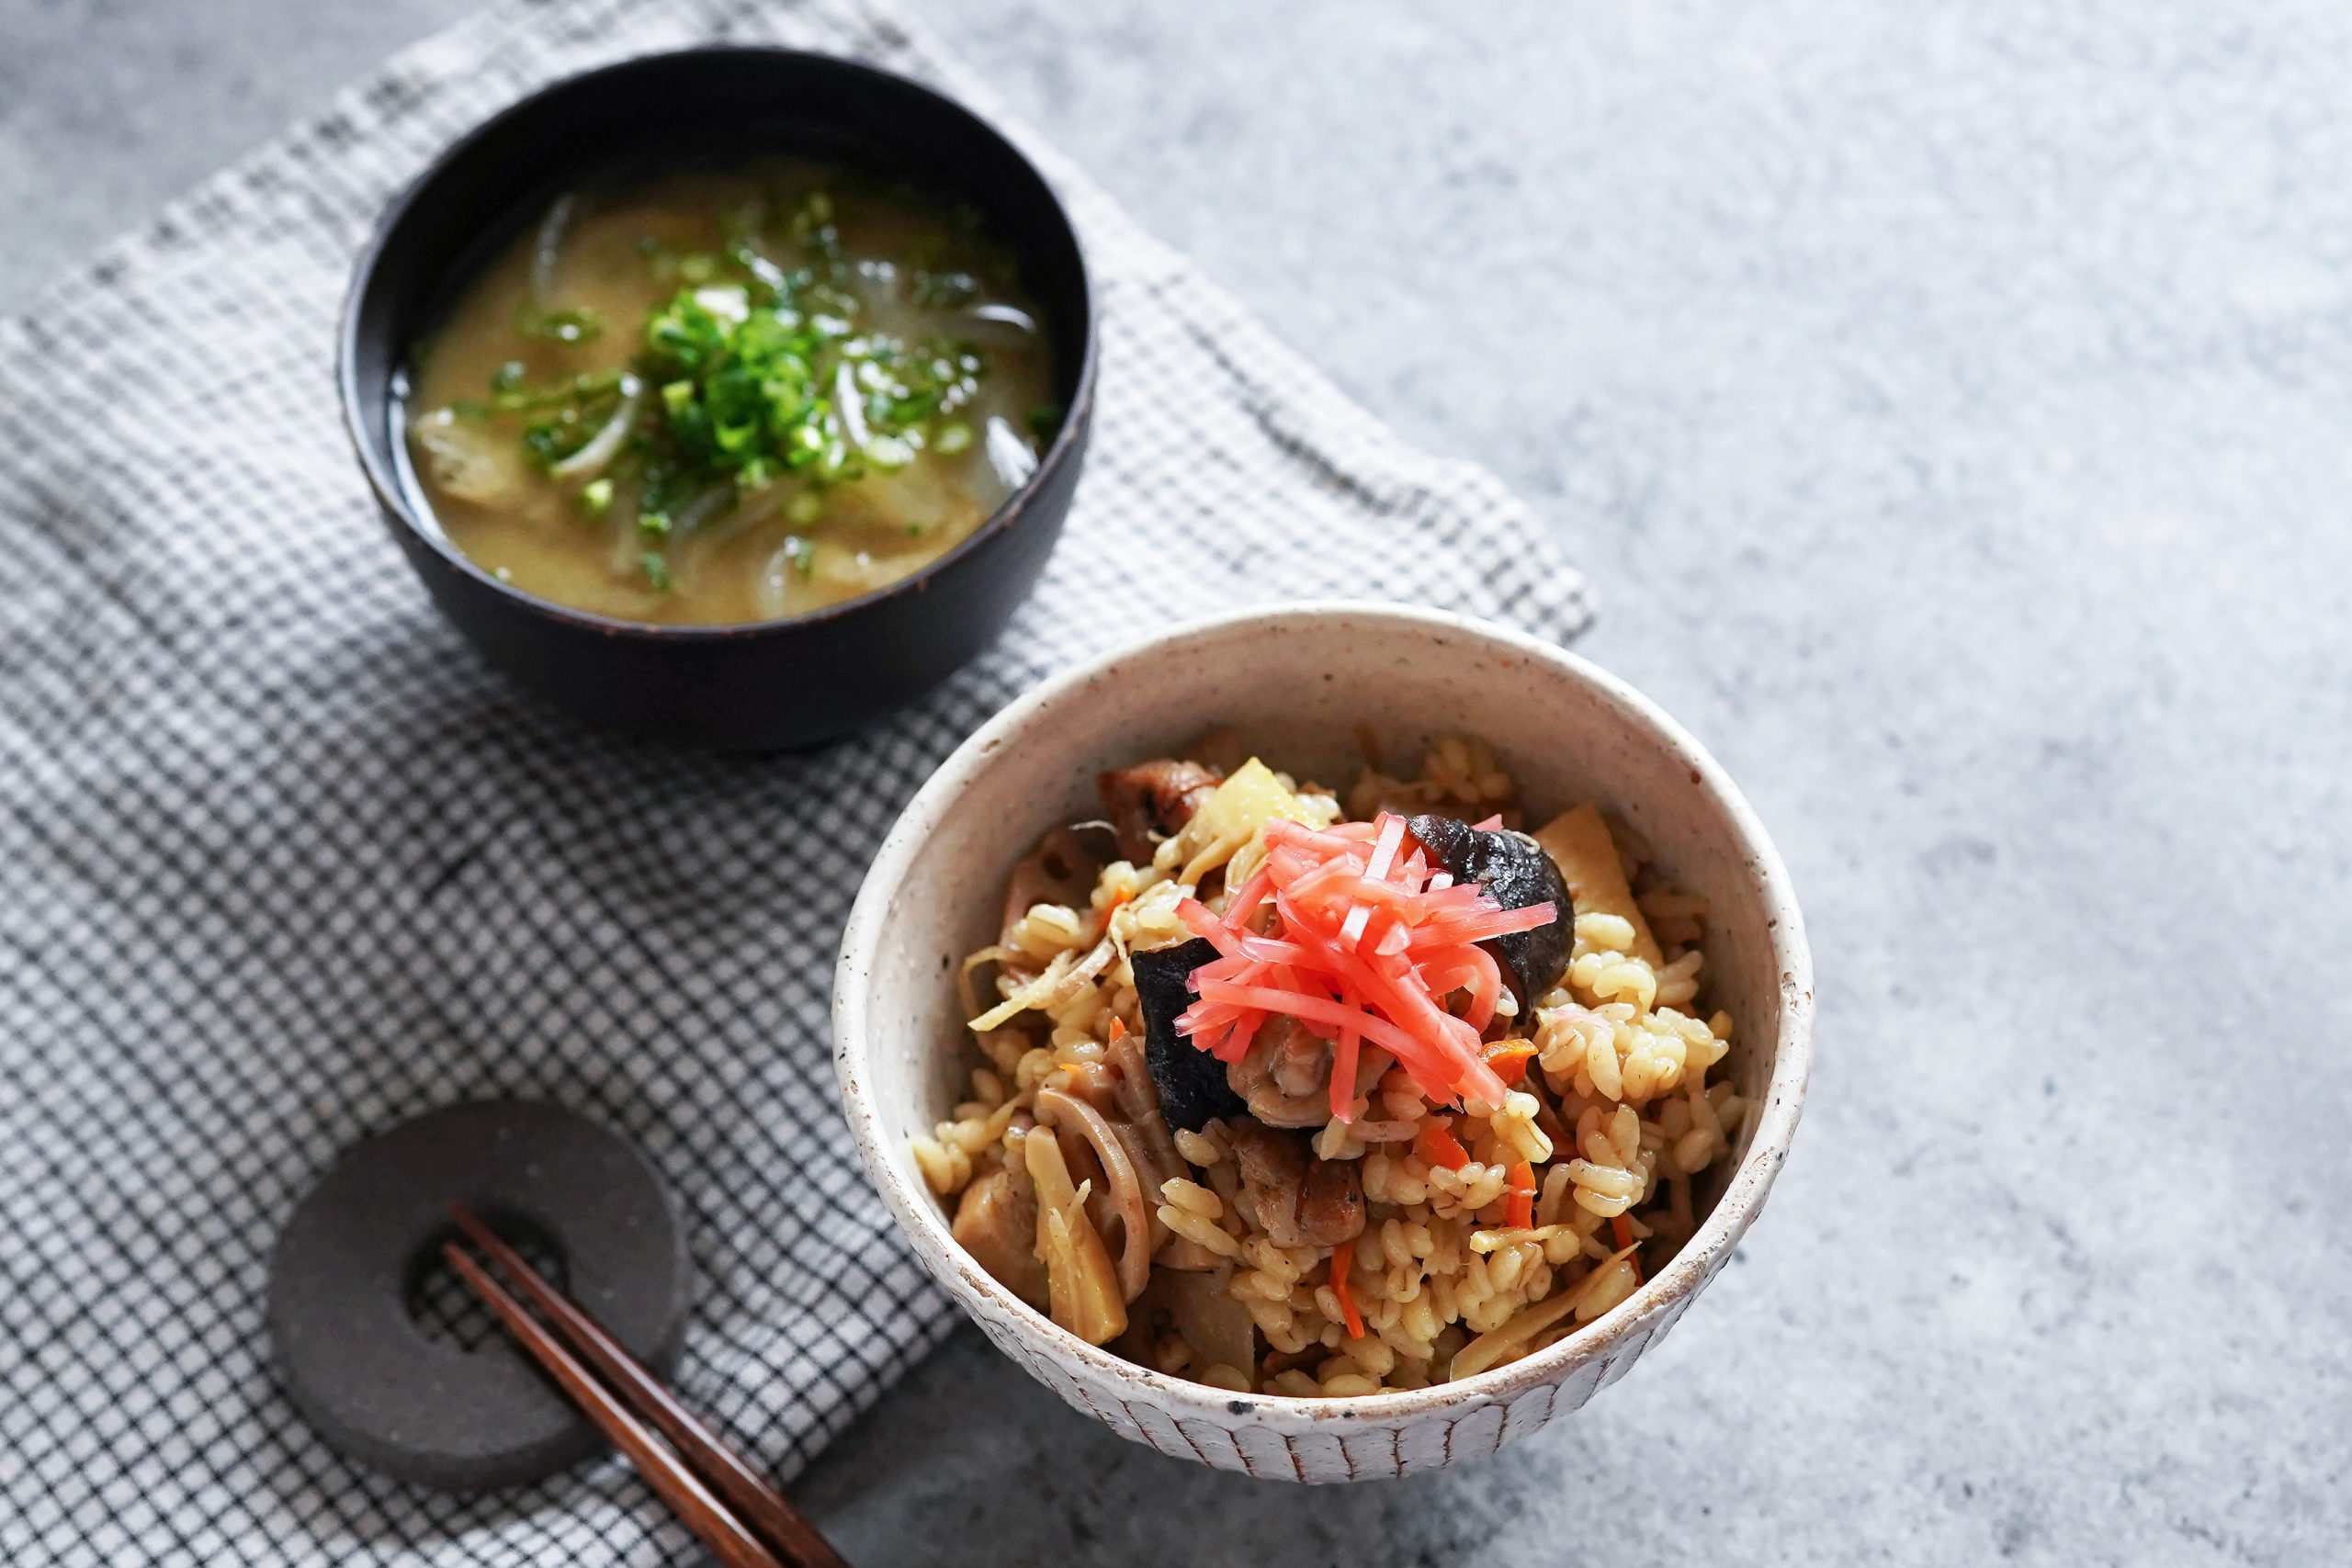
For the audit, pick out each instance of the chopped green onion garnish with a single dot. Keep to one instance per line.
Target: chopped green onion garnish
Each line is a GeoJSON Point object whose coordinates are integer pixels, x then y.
{"type": "Point", "coordinates": [751, 354]}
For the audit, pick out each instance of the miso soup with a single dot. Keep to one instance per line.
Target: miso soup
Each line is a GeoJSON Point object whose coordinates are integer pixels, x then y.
{"type": "Point", "coordinates": [728, 396]}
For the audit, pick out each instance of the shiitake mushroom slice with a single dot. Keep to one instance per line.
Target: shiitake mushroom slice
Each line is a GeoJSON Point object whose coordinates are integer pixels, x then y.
{"type": "Point", "coordinates": [1192, 1089]}
{"type": "Point", "coordinates": [1515, 873]}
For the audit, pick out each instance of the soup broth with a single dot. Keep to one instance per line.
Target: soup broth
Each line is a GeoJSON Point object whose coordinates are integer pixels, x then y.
{"type": "Point", "coordinates": [730, 396]}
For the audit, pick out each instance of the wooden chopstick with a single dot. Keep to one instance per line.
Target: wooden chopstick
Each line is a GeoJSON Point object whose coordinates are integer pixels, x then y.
{"type": "Point", "coordinates": [704, 1515]}
{"type": "Point", "coordinates": [763, 1510]}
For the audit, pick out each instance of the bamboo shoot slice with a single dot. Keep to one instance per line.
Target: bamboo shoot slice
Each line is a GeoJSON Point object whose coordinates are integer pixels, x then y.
{"type": "Point", "coordinates": [1579, 844]}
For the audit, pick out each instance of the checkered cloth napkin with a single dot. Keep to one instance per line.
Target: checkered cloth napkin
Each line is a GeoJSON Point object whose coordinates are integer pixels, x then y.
{"type": "Point", "coordinates": [282, 862]}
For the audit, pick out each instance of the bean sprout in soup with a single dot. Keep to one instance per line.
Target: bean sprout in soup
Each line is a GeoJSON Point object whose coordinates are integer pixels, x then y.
{"type": "Point", "coordinates": [730, 396]}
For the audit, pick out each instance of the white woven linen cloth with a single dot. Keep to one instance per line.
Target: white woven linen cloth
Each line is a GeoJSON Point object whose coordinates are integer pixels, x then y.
{"type": "Point", "coordinates": [282, 862]}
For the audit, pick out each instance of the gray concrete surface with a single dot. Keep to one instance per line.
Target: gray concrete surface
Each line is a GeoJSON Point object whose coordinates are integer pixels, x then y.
{"type": "Point", "coordinates": [1952, 403]}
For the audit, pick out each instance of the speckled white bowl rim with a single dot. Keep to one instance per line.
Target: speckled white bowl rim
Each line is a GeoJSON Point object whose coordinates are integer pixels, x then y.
{"type": "Point", "coordinates": [1603, 1342]}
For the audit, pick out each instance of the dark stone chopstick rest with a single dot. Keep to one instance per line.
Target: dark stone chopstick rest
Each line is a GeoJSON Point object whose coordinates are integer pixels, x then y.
{"type": "Point", "coordinates": [366, 1377]}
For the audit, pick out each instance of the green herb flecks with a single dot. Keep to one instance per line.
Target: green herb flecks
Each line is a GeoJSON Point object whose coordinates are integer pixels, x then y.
{"type": "Point", "coordinates": [576, 324]}
{"type": "Point", "coordinates": [812, 227]}
{"type": "Point", "coordinates": [657, 570]}
{"type": "Point", "coordinates": [565, 417]}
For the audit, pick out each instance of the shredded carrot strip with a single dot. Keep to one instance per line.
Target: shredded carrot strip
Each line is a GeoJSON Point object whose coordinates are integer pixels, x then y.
{"type": "Point", "coordinates": [1509, 1058]}
{"type": "Point", "coordinates": [1520, 1214]}
{"type": "Point", "coordinates": [1343, 1257]}
{"type": "Point", "coordinates": [1623, 1229]}
{"type": "Point", "coordinates": [1284, 833]}
{"type": "Point", "coordinates": [1118, 1029]}
{"type": "Point", "coordinates": [1386, 845]}
{"type": "Point", "coordinates": [1383, 855]}
{"type": "Point", "coordinates": [1324, 1010]}
{"type": "Point", "coordinates": [1481, 925]}
{"type": "Point", "coordinates": [1200, 923]}
{"type": "Point", "coordinates": [1244, 903]}
{"type": "Point", "coordinates": [1236, 1045]}
{"type": "Point", "coordinates": [1436, 1144]}
{"type": "Point", "coordinates": [1346, 1052]}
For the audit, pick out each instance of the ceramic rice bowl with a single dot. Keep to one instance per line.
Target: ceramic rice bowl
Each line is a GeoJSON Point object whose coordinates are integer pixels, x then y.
{"type": "Point", "coordinates": [1296, 682]}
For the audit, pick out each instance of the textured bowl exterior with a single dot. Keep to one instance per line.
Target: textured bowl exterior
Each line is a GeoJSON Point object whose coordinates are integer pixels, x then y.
{"type": "Point", "coordinates": [1294, 681]}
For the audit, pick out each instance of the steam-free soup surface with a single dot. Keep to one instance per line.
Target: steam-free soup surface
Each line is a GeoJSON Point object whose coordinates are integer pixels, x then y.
{"type": "Point", "coordinates": [728, 396]}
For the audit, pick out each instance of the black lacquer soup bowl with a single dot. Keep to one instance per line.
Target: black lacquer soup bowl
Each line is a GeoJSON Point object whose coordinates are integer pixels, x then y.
{"type": "Point", "coordinates": [766, 684]}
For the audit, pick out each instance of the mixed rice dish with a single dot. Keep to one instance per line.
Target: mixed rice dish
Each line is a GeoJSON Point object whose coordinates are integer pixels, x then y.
{"type": "Point", "coordinates": [1295, 1092]}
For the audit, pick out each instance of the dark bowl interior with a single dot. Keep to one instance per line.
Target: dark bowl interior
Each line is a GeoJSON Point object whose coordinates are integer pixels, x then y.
{"type": "Point", "coordinates": [764, 685]}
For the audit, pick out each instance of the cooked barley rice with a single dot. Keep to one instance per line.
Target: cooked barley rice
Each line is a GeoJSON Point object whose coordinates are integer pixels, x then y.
{"type": "Point", "coordinates": [1617, 1119]}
